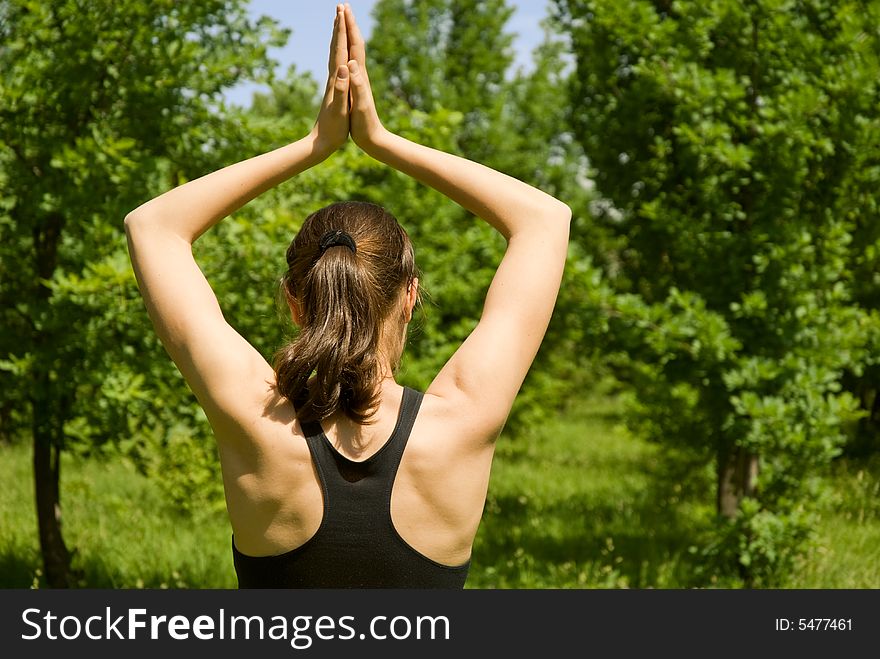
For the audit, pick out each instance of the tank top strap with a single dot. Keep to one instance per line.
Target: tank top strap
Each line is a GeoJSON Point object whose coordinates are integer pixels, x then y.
{"type": "Point", "coordinates": [409, 409]}
{"type": "Point", "coordinates": [334, 467]}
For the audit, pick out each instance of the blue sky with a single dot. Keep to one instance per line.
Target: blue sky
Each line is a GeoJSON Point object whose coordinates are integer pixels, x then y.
{"type": "Point", "coordinates": [312, 21]}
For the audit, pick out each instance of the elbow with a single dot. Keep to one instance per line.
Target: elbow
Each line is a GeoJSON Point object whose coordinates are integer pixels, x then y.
{"type": "Point", "coordinates": [135, 222]}
{"type": "Point", "coordinates": [558, 219]}
{"type": "Point", "coordinates": [550, 221]}
{"type": "Point", "coordinates": [558, 226]}
{"type": "Point", "coordinates": [138, 228]}
{"type": "Point", "coordinates": [130, 221]}
{"type": "Point", "coordinates": [555, 213]}
{"type": "Point", "coordinates": [563, 213]}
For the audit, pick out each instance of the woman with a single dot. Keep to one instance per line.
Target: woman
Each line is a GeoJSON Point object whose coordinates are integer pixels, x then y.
{"type": "Point", "coordinates": [335, 475]}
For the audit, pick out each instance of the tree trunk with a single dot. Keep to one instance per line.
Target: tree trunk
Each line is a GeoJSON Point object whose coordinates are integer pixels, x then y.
{"type": "Point", "coordinates": [48, 412]}
{"type": "Point", "coordinates": [737, 476]}
{"type": "Point", "coordinates": [47, 473]}
{"type": "Point", "coordinates": [872, 421]}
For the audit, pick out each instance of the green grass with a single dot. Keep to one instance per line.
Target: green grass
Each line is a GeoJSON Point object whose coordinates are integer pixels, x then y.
{"type": "Point", "coordinates": [126, 534]}
{"type": "Point", "coordinates": [846, 553]}
{"type": "Point", "coordinates": [580, 503]}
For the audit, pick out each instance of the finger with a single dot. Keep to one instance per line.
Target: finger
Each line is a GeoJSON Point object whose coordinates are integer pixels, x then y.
{"type": "Point", "coordinates": [334, 41]}
{"type": "Point", "coordinates": [339, 104]}
{"type": "Point", "coordinates": [340, 53]}
{"type": "Point", "coordinates": [356, 46]}
{"type": "Point", "coordinates": [361, 96]}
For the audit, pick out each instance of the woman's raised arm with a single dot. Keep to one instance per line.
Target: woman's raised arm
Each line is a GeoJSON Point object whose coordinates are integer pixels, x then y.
{"type": "Point", "coordinates": [215, 360]}
{"type": "Point", "coordinates": [484, 375]}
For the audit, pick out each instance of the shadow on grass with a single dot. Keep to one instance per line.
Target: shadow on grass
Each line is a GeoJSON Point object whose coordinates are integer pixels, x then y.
{"type": "Point", "coordinates": [23, 570]}
{"type": "Point", "coordinates": [19, 567]}
{"type": "Point", "coordinates": [640, 536]}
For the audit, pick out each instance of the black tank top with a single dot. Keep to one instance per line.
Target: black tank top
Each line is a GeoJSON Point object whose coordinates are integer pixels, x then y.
{"type": "Point", "coordinates": [356, 545]}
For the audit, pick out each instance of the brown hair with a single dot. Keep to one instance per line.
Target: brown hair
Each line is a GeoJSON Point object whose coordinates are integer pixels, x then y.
{"type": "Point", "coordinates": [343, 297]}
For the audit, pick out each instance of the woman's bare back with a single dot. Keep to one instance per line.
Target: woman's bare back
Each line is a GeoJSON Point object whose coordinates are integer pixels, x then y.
{"type": "Point", "coordinates": [275, 501]}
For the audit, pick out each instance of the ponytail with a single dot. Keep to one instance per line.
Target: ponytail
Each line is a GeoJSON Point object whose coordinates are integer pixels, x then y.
{"type": "Point", "coordinates": [344, 278]}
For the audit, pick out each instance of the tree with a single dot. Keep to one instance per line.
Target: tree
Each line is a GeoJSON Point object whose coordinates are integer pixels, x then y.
{"type": "Point", "coordinates": [725, 137]}
{"type": "Point", "coordinates": [451, 54]}
{"type": "Point", "coordinates": [101, 104]}
{"type": "Point", "coordinates": [860, 204]}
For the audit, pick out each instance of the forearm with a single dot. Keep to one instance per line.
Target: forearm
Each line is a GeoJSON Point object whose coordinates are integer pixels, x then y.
{"type": "Point", "coordinates": [192, 208]}
{"type": "Point", "coordinates": [506, 203]}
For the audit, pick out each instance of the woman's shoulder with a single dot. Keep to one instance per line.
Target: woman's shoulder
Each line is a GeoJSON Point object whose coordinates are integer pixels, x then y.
{"type": "Point", "coordinates": [453, 424]}
{"type": "Point", "coordinates": [264, 416]}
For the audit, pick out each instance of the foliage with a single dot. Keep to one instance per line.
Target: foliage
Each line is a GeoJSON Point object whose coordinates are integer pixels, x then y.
{"type": "Point", "coordinates": [725, 138]}
{"type": "Point", "coordinates": [101, 106]}
{"type": "Point", "coordinates": [451, 54]}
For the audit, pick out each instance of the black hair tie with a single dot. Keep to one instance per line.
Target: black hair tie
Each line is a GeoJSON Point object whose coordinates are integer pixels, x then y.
{"type": "Point", "coordinates": [335, 239]}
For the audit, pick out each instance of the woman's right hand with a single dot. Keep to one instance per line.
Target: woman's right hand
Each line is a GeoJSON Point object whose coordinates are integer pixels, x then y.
{"type": "Point", "coordinates": [366, 128]}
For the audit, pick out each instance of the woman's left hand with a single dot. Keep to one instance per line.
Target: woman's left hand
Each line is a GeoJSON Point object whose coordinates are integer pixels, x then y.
{"type": "Point", "coordinates": [331, 128]}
